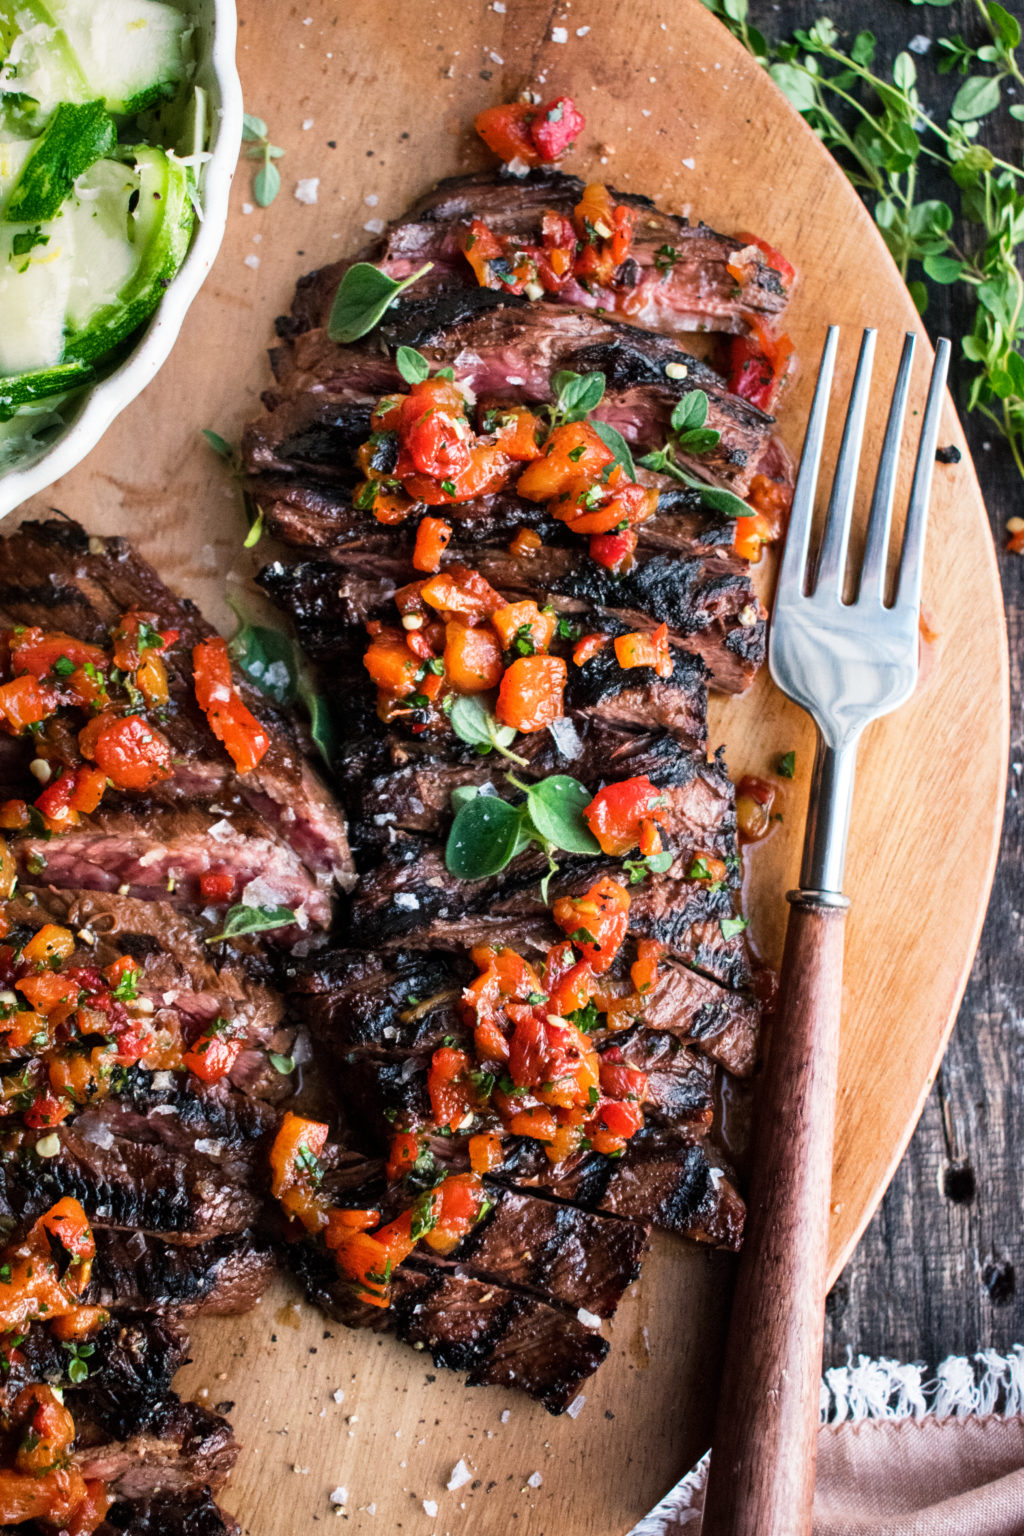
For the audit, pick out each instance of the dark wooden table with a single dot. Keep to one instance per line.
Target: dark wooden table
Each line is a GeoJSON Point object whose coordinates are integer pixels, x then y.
{"type": "Point", "coordinates": [936, 1272]}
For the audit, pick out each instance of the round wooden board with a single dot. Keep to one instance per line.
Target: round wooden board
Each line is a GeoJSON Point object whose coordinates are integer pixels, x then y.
{"type": "Point", "coordinates": [375, 101]}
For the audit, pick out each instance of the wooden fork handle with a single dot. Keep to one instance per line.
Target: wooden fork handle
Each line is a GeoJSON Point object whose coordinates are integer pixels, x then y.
{"type": "Point", "coordinates": [762, 1461]}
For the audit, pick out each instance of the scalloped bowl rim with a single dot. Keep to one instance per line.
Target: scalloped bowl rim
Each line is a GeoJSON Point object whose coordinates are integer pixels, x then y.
{"type": "Point", "coordinates": [111, 395]}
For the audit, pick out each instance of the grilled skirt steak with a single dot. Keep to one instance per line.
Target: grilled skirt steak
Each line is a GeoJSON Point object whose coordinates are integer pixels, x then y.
{"type": "Point", "coordinates": [499, 345]}
{"type": "Point", "coordinates": [54, 575]}
{"type": "Point", "coordinates": [694, 290]}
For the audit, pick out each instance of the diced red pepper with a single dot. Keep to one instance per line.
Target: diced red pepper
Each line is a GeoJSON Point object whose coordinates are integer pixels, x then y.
{"type": "Point", "coordinates": [432, 539]}
{"type": "Point", "coordinates": [405, 1149]}
{"type": "Point", "coordinates": [24, 702]}
{"type": "Point", "coordinates": [645, 650]}
{"type": "Point", "coordinates": [595, 922]}
{"type": "Point", "coordinates": [556, 127]}
{"type": "Point", "coordinates": [531, 693]}
{"type": "Point", "coordinates": [216, 885]}
{"type": "Point", "coordinates": [38, 652]}
{"type": "Point", "coordinates": [212, 1056]}
{"type": "Point", "coordinates": [617, 813]}
{"type": "Point", "coordinates": [131, 753]}
{"type": "Point", "coordinates": [229, 718]}
{"type": "Point", "coordinates": [449, 1086]}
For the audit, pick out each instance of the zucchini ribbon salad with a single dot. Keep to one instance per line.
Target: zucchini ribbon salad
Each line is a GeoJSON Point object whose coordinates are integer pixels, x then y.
{"type": "Point", "coordinates": [96, 208]}
{"type": "Point", "coordinates": [500, 933]}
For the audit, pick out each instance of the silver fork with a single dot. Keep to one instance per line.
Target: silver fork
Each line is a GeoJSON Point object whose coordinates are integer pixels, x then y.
{"type": "Point", "coordinates": [846, 663]}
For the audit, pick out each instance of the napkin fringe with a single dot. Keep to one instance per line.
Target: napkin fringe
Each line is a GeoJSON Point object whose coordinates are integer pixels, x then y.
{"type": "Point", "coordinates": [983, 1383]}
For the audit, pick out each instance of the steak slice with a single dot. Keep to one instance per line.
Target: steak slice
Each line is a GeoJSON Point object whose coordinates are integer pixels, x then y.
{"type": "Point", "coordinates": [668, 1178]}
{"type": "Point", "coordinates": [160, 853]}
{"type": "Point", "coordinates": [55, 575]}
{"type": "Point", "coordinates": [681, 277]}
{"type": "Point", "coordinates": [498, 1337]}
{"type": "Point", "coordinates": [186, 983]}
{"type": "Point", "coordinates": [167, 1158]}
{"type": "Point", "coordinates": [178, 1448]}
{"type": "Point", "coordinates": [411, 899]}
{"type": "Point", "coordinates": [132, 1364]}
{"type": "Point", "coordinates": [133, 1272]}
{"type": "Point", "coordinates": [707, 603]}
{"type": "Point", "coordinates": [192, 1513]}
{"type": "Point", "coordinates": [503, 348]}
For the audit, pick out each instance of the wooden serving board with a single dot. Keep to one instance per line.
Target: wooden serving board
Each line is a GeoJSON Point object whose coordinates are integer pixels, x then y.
{"type": "Point", "coordinates": [376, 101]}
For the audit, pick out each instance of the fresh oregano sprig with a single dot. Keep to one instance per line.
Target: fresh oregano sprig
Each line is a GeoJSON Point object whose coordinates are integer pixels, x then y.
{"type": "Point", "coordinates": [488, 832]}
{"type": "Point", "coordinates": [690, 435]}
{"type": "Point", "coordinates": [266, 183]}
{"type": "Point", "coordinates": [881, 132]}
{"type": "Point", "coordinates": [364, 296]}
{"type": "Point", "coordinates": [473, 722]}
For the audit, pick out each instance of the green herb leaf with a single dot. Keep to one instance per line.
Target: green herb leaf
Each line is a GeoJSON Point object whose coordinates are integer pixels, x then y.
{"type": "Point", "coordinates": [242, 920]}
{"type": "Point", "coordinates": [364, 296]}
{"type": "Point", "coordinates": [483, 837]}
{"type": "Point", "coordinates": [283, 1064]}
{"type": "Point", "coordinates": [576, 395]}
{"type": "Point", "coordinates": [787, 765]}
{"type": "Point", "coordinates": [556, 806]}
{"type": "Point", "coordinates": [616, 443]}
{"type": "Point", "coordinates": [977, 97]}
{"type": "Point", "coordinates": [275, 663]}
{"type": "Point", "coordinates": [266, 184]}
{"type": "Point", "coordinates": [219, 444]}
{"type": "Point", "coordinates": [731, 926]}
{"type": "Point", "coordinates": [253, 128]}
{"type": "Point", "coordinates": [473, 722]}
{"type": "Point", "coordinates": [255, 533]}
{"type": "Point", "coordinates": [412, 365]}
{"type": "Point", "coordinates": [690, 412]}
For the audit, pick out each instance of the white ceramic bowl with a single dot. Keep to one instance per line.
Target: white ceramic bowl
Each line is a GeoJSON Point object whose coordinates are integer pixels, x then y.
{"type": "Point", "coordinates": [216, 23]}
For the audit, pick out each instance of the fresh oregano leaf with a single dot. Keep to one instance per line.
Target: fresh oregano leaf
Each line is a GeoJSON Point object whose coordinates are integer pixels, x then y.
{"type": "Point", "coordinates": [364, 296]}
{"type": "Point", "coordinates": [266, 184]}
{"type": "Point", "coordinates": [241, 920]}
{"type": "Point", "coordinates": [556, 805]}
{"type": "Point", "coordinates": [576, 394]}
{"type": "Point", "coordinates": [690, 412]}
{"type": "Point", "coordinates": [412, 365]}
{"type": "Point", "coordinates": [218, 444]}
{"type": "Point", "coordinates": [483, 837]}
{"type": "Point", "coordinates": [616, 443]}
{"type": "Point", "coordinates": [977, 97]}
{"type": "Point", "coordinates": [253, 128]}
{"type": "Point", "coordinates": [473, 722]}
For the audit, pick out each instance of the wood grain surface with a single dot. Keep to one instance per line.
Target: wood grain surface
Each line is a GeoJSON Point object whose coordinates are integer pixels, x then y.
{"type": "Point", "coordinates": [375, 102]}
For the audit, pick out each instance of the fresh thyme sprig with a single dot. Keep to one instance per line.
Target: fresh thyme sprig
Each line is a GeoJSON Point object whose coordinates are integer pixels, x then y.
{"type": "Point", "coordinates": [882, 135]}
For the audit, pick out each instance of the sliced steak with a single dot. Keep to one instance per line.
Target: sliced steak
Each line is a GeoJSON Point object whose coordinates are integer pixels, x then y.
{"type": "Point", "coordinates": [178, 1448]}
{"type": "Point", "coordinates": [56, 576]}
{"type": "Point", "coordinates": [130, 1368]}
{"type": "Point", "coordinates": [160, 853]}
{"type": "Point", "coordinates": [572, 1257]}
{"type": "Point", "coordinates": [174, 1514]}
{"type": "Point", "coordinates": [187, 983]}
{"type": "Point", "coordinates": [498, 1337]}
{"type": "Point", "coordinates": [134, 1272]}
{"type": "Point", "coordinates": [166, 1158]}
{"type": "Point", "coordinates": [682, 276]}
{"type": "Point", "coordinates": [669, 1179]}
{"type": "Point", "coordinates": [505, 349]}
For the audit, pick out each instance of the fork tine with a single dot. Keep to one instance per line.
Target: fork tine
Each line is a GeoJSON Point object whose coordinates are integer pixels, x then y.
{"type": "Point", "coordinates": [832, 558]}
{"type": "Point", "coordinates": [872, 576]}
{"type": "Point", "coordinates": [794, 558]}
{"type": "Point", "coordinates": [908, 590]}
